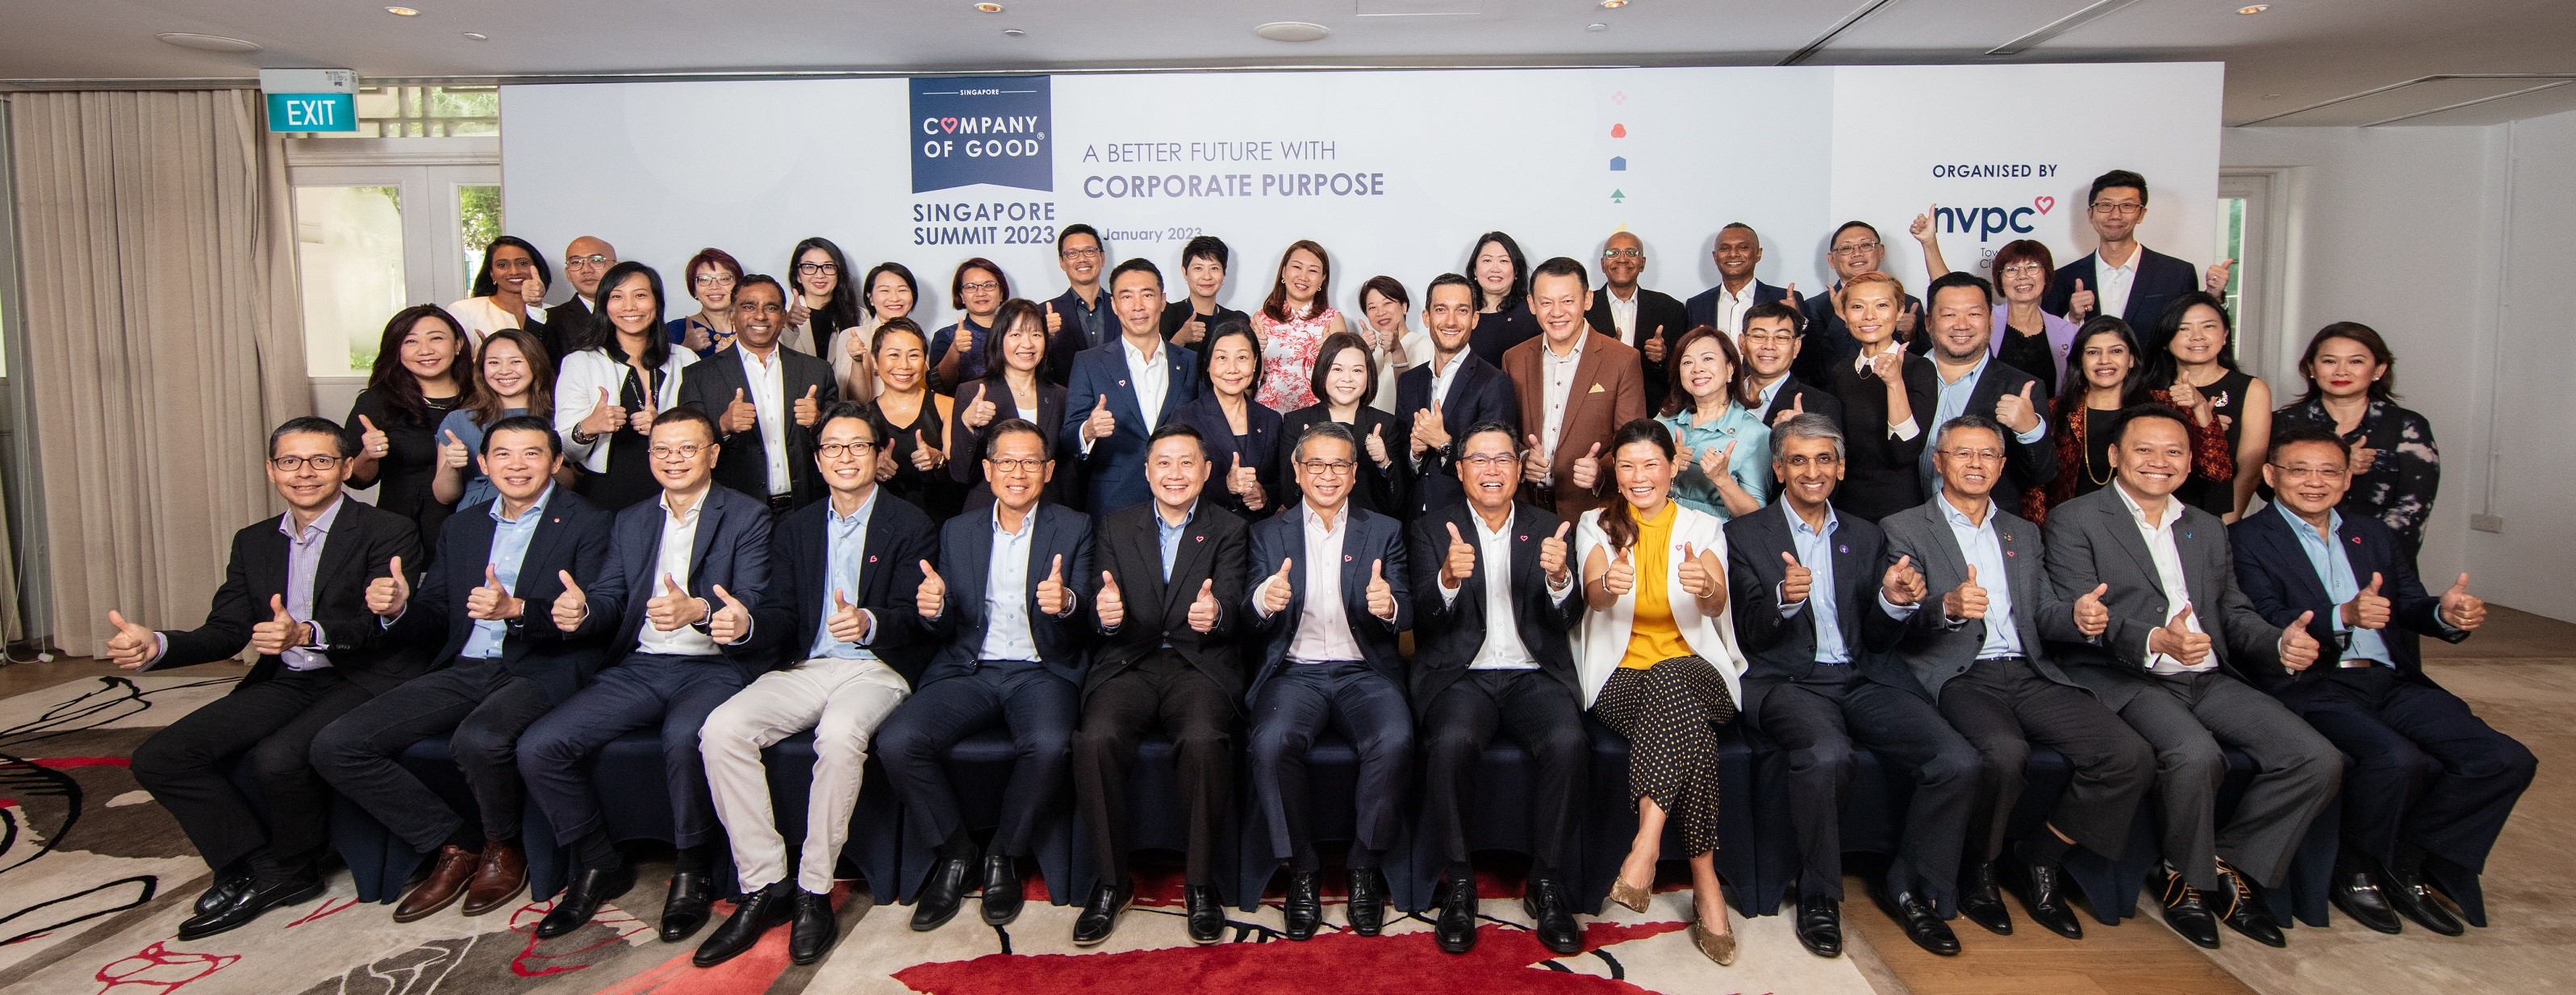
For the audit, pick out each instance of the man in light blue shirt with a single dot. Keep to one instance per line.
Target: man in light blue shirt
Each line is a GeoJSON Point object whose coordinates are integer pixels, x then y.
{"type": "Point", "coordinates": [1969, 381]}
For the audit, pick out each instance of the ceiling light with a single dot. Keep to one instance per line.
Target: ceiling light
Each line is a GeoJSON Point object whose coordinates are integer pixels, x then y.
{"type": "Point", "coordinates": [989, 8]}
{"type": "Point", "coordinates": [402, 12]}
{"type": "Point", "coordinates": [2254, 9]}
{"type": "Point", "coordinates": [207, 43]}
{"type": "Point", "coordinates": [477, 36]}
{"type": "Point", "coordinates": [1013, 32]}
{"type": "Point", "coordinates": [1613, 4]}
{"type": "Point", "coordinates": [1292, 31]}
{"type": "Point", "coordinates": [1596, 26]}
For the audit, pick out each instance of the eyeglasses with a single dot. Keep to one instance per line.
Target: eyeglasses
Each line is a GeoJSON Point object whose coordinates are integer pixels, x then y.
{"type": "Point", "coordinates": [2328, 474]}
{"type": "Point", "coordinates": [1502, 461]}
{"type": "Point", "coordinates": [581, 262]}
{"type": "Point", "coordinates": [1328, 467]}
{"type": "Point", "coordinates": [1854, 249]}
{"type": "Point", "coordinates": [1623, 253]}
{"type": "Point", "coordinates": [817, 269]}
{"type": "Point", "coordinates": [980, 286]}
{"type": "Point", "coordinates": [1091, 253]}
{"type": "Point", "coordinates": [1001, 465]}
{"type": "Point", "coordinates": [2033, 269]}
{"type": "Point", "coordinates": [1781, 338]}
{"type": "Point", "coordinates": [685, 450]}
{"type": "Point", "coordinates": [836, 450]}
{"type": "Point", "coordinates": [2120, 210]}
{"type": "Point", "coordinates": [715, 280]}
{"type": "Point", "coordinates": [293, 464]}
{"type": "Point", "coordinates": [1802, 462]}
{"type": "Point", "coordinates": [1975, 455]}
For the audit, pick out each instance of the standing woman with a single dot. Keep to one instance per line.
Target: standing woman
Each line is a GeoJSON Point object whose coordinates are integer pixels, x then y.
{"type": "Point", "coordinates": [416, 381]}
{"type": "Point", "coordinates": [622, 371]}
{"type": "Point", "coordinates": [1725, 456]}
{"type": "Point", "coordinates": [2194, 359]}
{"type": "Point", "coordinates": [1345, 378]}
{"type": "Point", "coordinates": [1292, 324]}
{"type": "Point", "coordinates": [961, 352]}
{"type": "Point", "coordinates": [509, 291]}
{"type": "Point", "coordinates": [1398, 347]}
{"type": "Point", "coordinates": [511, 377]}
{"type": "Point", "coordinates": [913, 421]}
{"type": "Point", "coordinates": [1501, 275]}
{"type": "Point", "coordinates": [2027, 337]}
{"type": "Point", "coordinates": [888, 292]}
{"type": "Point", "coordinates": [1659, 665]}
{"type": "Point", "coordinates": [1241, 435]}
{"type": "Point", "coordinates": [2352, 391]}
{"type": "Point", "coordinates": [711, 275]}
{"type": "Point", "coordinates": [1016, 388]}
{"type": "Point", "coordinates": [2106, 374]}
{"type": "Point", "coordinates": [825, 302]}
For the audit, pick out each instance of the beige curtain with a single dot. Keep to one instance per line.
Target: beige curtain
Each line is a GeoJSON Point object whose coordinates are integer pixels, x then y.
{"type": "Point", "coordinates": [164, 340]}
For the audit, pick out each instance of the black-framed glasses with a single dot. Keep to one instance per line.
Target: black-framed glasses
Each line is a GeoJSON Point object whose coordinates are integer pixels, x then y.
{"type": "Point", "coordinates": [1328, 467]}
{"type": "Point", "coordinates": [295, 464]}
{"type": "Point", "coordinates": [1023, 465]}
{"type": "Point", "coordinates": [836, 450]}
{"type": "Point", "coordinates": [818, 269]}
{"type": "Point", "coordinates": [1090, 253]}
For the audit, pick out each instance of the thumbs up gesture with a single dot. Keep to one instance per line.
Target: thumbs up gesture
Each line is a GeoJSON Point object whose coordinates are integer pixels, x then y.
{"type": "Point", "coordinates": [1203, 609]}
{"type": "Point", "coordinates": [1101, 423]}
{"type": "Point", "coordinates": [2299, 647]}
{"type": "Point", "coordinates": [2175, 639]}
{"type": "Point", "coordinates": [1534, 465]}
{"type": "Point", "coordinates": [1552, 555]}
{"type": "Point", "coordinates": [1796, 582]}
{"type": "Point", "coordinates": [1907, 319]}
{"type": "Point", "coordinates": [1653, 347]}
{"type": "Point", "coordinates": [280, 632]}
{"type": "Point", "coordinates": [1053, 599]}
{"type": "Point", "coordinates": [932, 598]}
{"type": "Point", "coordinates": [1274, 595]}
{"type": "Point", "coordinates": [809, 407]}
{"type": "Point", "coordinates": [2368, 609]}
{"type": "Point", "coordinates": [387, 595]}
{"type": "Point", "coordinates": [532, 293]}
{"type": "Point", "coordinates": [730, 623]}
{"type": "Point", "coordinates": [980, 413]}
{"type": "Point", "coordinates": [1797, 406]}
{"type": "Point", "coordinates": [2079, 303]}
{"type": "Point", "coordinates": [603, 418]}
{"type": "Point", "coordinates": [1966, 601]}
{"type": "Point", "coordinates": [373, 443]}
{"type": "Point", "coordinates": [674, 607]}
{"type": "Point", "coordinates": [2020, 412]}
{"type": "Point", "coordinates": [641, 419]}
{"type": "Point", "coordinates": [1713, 462]}
{"type": "Point", "coordinates": [1111, 605]}
{"type": "Point", "coordinates": [2463, 610]}
{"type": "Point", "coordinates": [1622, 577]}
{"type": "Point", "coordinates": [848, 624]}
{"type": "Point", "coordinates": [926, 457]}
{"type": "Point", "coordinates": [741, 415]}
{"type": "Point", "coordinates": [1460, 561]}
{"type": "Point", "coordinates": [1701, 574]}
{"type": "Point", "coordinates": [2215, 281]}
{"type": "Point", "coordinates": [132, 646]}
{"type": "Point", "coordinates": [1902, 584]}
{"type": "Point", "coordinates": [572, 605]}
{"type": "Point", "coordinates": [1381, 595]}
{"type": "Point", "coordinates": [966, 339]}
{"type": "Point", "coordinates": [1244, 483]}
{"type": "Point", "coordinates": [1191, 331]}
{"type": "Point", "coordinates": [2092, 617]}
{"type": "Point", "coordinates": [491, 602]}
{"type": "Point", "coordinates": [1377, 445]}
{"type": "Point", "coordinates": [454, 455]}
{"type": "Point", "coordinates": [1587, 468]}
{"type": "Point", "coordinates": [1055, 322]}
{"type": "Point", "coordinates": [1921, 229]}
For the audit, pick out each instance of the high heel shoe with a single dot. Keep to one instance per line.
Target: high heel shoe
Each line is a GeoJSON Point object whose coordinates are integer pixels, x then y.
{"type": "Point", "coordinates": [1635, 898]}
{"type": "Point", "coordinates": [1719, 947]}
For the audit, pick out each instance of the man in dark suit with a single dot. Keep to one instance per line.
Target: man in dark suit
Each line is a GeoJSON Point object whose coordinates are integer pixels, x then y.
{"type": "Point", "coordinates": [1456, 389]}
{"type": "Point", "coordinates": [1171, 583]}
{"type": "Point", "coordinates": [1328, 615]}
{"type": "Point", "coordinates": [2121, 277]}
{"type": "Point", "coordinates": [835, 628]}
{"type": "Point", "coordinates": [488, 600]}
{"type": "Point", "coordinates": [1575, 387]}
{"type": "Point", "coordinates": [1083, 310]}
{"type": "Point", "coordinates": [1640, 319]}
{"type": "Point", "coordinates": [765, 400]}
{"type": "Point", "coordinates": [1123, 390]}
{"type": "Point", "coordinates": [2430, 784]}
{"type": "Point", "coordinates": [1723, 307]}
{"type": "Point", "coordinates": [1855, 249]}
{"type": "Point", "coordinates": [1816, 613]}
{"type": "Point", "coordinates": [1770, 344]}
{"type": "Point", "coordinates": [1011, 652]}
{"type": "Point", "coordinates": [2172, 661]}
{"type": "Point", "coordinates": [1968, 380]}
{"type": "Point", "coordinates": [295, 592]}
{"type": "Point", "coordinates": [586, 260]}
{"type": "Point", "coordinates": [672, 602]}
{"type": "Point", "coordinates": [1984, 658]}
{"type": "Point", "coordinates": [1494, 601]}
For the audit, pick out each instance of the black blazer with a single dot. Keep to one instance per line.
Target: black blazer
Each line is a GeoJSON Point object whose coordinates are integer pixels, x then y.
{"type": "Point", "coordinates": [966, 445]}
{"type": "Point", "coordinates": [1701, 309]}
{"type": "Point", "coordinates": [789, 616]}
{"type": "Point", "coordinates": [1498, 332]}
{"type": "Point", "coordinates": [1070, 343]}
{"type": "Point", "coordinates": [1658, 316]}
{"type": "Point", "coordinates": [572, 536]}
{"type": "Point", "coordinates": [1368, 537]}
{"type": "Point", "coordinates": [1216, 548]}
{"type": "Point", "coordinates": [2274, 572]}
{"type": "Point", "coordinates": [564, 326]}
{"type": "Point", "coordinates": [2025, 466]}
{"type": "Point", "coordinates": [2161, 279]}
{"type": "Point", "coordinates": [1447, 632]}
{"type": "Point", "coordinates": [1383, 491]}
{"type": "Point", "coordinates": [1478, 393]}
{"type": "Point", "coordinates": [1826, 341]}
{"type": "Point", "coordinates": [744, 461]}
{"type": "Point", "coordinates": [360, 547]}
{"type": "Point", "coordinates": [1261, 444]}
{"type": "Point", "coordinates": [1782, 650]}
{"type": "Point", "coordinates": [1815, 401]}
{"type": "Point", "coordinates": [966, 555]}
{"type": "Point", "coordinates": [732, 550]}
{"type": "Point", "coordinates": [1882, 474]}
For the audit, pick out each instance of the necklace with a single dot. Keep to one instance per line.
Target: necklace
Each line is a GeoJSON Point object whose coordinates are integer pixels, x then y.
{"type": "Point", "coordinates": [2087, 446]}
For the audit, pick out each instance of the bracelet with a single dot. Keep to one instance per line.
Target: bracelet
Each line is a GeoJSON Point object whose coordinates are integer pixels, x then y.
{"type": "Point", "coordinates": [581, 438]}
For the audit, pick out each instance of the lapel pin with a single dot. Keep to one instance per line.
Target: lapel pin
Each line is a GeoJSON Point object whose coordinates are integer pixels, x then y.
{"type": "Point", "coordinates": [1198, 538]}
{"type": "Point", "coordinates": [1842, 549]}
{"type": "Point", "coordinates": [872, 559]}
{"type": "Point", "coordinates": [1122, 383]}
{"type": "Point", "coordinates": [1524, 538]}
{"type": "Point", "coordinates": [2008, 554]}
{"type": "Point", "coordinates": [1346, 557]}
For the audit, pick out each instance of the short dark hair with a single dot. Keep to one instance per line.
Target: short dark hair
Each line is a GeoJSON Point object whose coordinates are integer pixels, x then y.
{"type": "Point", "coordinates": [1976, 422]}
{"type": "Point", "coordinates": [1388, 287]}
{"type": "Point", "coordinates": [1849, 225]}
{"type": "Point", "coordinates": [994, 432]}
{"type": "Point", "coordinates": [1072, 230]}
{"type": "Point", "coordinates": [525, 423]}
{"type": "Point", "coordinates": [2294, 433]}
{"type": "Point", "coordinates": [682, 413]}
{"type": "Point", "coordinates": [1561, 266]}
{"type": "Point", "coordinates": [852, 410]}
{"type": "Point", "coordinates": [1733, 225]}
{"type": "Point", "coordinates": [1326, 429]}
{"type": "Point", "coordinates": [957, 280]}
{"type": "Point", "coordinates": [2118, 178]}
{"type": "Point", "coordinates": [1450, 280]}
{"type": "Point", "coordinates": [1959, 278]}
{"type": "Point", "coordinates": [1491, 425]}
{"type": "Point", "coordinates": [869, 283]}
{"type": "Point", "coordinates": [1776, 309]}
{"type": "Point", "coordinates": [1178, 430]}
{"type": "Point", "coordinates": [1332, 349]}
{"type": "Point", "coordinates": [750, 280]}
{"type": "Point", "coordinates": [1139, 264]}
{"type": "Point", "coordinates": [1208, 247]}
{"type": "Point", "coordinates": [313, 425]}
{"type": "Point", "coordinates": [2136, 413]}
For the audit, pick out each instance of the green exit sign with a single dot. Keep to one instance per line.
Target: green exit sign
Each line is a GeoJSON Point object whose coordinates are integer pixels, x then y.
{"type": "Point", "coordinates": [310, 99]}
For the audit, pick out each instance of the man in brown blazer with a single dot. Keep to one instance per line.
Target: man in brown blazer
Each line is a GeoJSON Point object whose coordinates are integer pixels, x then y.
{"type": "Point", "coordinates": [1576, 387]}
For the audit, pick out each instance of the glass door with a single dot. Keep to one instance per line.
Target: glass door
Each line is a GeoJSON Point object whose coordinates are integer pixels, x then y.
{"type": "Point", "coordinates": [372, 240]}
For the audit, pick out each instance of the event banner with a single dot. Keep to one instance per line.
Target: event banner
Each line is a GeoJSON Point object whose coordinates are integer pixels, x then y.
{"type": "Point", "coordinates": [1394, 173]}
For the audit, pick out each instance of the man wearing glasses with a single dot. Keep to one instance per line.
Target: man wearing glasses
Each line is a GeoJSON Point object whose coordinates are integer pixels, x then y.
{"type": "Point", "coordinates": [674, 601]}
{"type": "Point", "coordinates": [765, 404]}
{"type": "Point", "coordinates": [1638, 318]}
{"type": "Point", "coordinates": [297, 593]}
{"type": "Point", "coordinates": [1856, 249]}
{"type": "Point", "coordinates": [1770, 344]}
{"type": "Point", "coordinates": [2121, 277]}
{"type": "Point", "coordinates": [585, 261]}
{"type": "Point", "coordinates": [1083, 309]}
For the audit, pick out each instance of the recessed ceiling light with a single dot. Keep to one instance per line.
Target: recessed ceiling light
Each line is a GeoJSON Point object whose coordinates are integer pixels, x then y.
{"type": "Point", "coordinates": [1293, 31]}
{"type": "Point", "coordinates": [1013, 32]}
{"type": "Point", "coordinates": [2254, 8]}
{"type": "Point", "coordinates": [1596, 26]}
{"type": "Point", "coordinates": [477, 36]}
{"type": "Point", "coordinates": [1613, 4]}
{"type": "Point", "coordinates": [402, 12]}
{"type": "Point", "coordinates": [207, 43]}
{"type": "Point", "coordinates": [989, 8]}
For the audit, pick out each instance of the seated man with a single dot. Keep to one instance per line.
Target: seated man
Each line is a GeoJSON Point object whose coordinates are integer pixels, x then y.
{"type": "Point", "coordinates": [1010, 653]}
{"type": "Point", "coordinates": [671, 602]}
{"type": "Point", "coordinates": [1816, 615]}
{"type": "Point", "coordinates": [1985, 659]}
{"type": "Point", "coordinates": [1171, 575]}
{"type": "Point", "coordinates": [835, 627]}
{"type": "Point", "coordinates": [490, 599]}
{"type": "Point", "coordinates": [2170, 662]}
{"type": "Point", "coordinates": [1493, 601]}
{"type": "Point", "coordinates": [295, 592]}
{"type": "Point", "coordinates": [1328, 617]}
{"type": "Point", "coordinates": [2352, 580]}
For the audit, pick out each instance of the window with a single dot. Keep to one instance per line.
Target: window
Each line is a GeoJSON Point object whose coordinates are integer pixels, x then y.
{"type": "Point", "coordinates": [2246, 232]}
{"type": "Point", "coordinates": [382, 225]}
{"type": "Point", "coordinates": [349, 253]}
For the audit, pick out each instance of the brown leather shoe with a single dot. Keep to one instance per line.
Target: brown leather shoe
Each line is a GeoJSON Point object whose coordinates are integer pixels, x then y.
{"type": "Point", "coordinates": [445, 882]}
{"type": "Point", "coordinates": [497, 880]}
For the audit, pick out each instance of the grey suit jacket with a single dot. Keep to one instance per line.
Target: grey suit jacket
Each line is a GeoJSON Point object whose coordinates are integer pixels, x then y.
{"type": "Point", "coordinates": [1935, 650]}
{"type": "Point", "coordinates": [2094, 540]}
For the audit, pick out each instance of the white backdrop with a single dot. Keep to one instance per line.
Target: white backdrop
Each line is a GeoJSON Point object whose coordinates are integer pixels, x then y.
{"type": "Point", "coordinates": [1559, 158]}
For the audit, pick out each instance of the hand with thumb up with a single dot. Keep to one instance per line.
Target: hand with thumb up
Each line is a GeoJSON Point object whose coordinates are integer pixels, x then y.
{"type": "Point", "coordinates": [454, 455]}
{"type": "Point", "coordinates": [674, 607]}
{"type": "Point", "coordinates": [848, 624]}
{"type": "Point", "coordinates": [1276, 592]}
{"type": "Point", "coordinates": [932, 597]}
{"type": "Point", "coordinates": [809, 407]}
{"type": "Point", "coordinates": [2369, 609]}
{"type": "Point", "coordinates": [730, 624]}
{"type": "Point", "coordinates": [132, 646]}
{"type": "Point", "coordinates": [1966, 601]}
{"type": "Point", "coordinates": [1111, 606]}
{"type": "Point", "coordinates": [2299, 647]}
{"type": "Point", "coordinates": [571, 606]}
{"type": "Point", "coordinates": [1204, 609]}
{"type": "Point", "coordinates": [604, 417]}
{"type": "Point", "coordinates": [1381, 595]}
{"type": "Point", "coordinates": [281, 632]}
{"type": "Point", "coordinates": [2092, 617]}
{"type": "Point", "coordinates": [1101, 423]}
{"type": "Point", "coordinates": [1053, 597]}
{"type": "Point", "coordinates": [387, 595]}
{"type": "Point", "coordinates": [492, 602]}
{"type": "Point", "coordinates": [373, 443]}
{"type": "Point", "coordinates": [2176, 639]}
{"type": "Point", "coordinates": [740, 415]}
{"type": "Point", "coordinates": [2079, 303]}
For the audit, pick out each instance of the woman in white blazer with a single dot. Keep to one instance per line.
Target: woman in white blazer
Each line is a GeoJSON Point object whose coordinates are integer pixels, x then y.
{"type": "Point", "coordinates": [1658, 662]}
{"type": "Point", "coordinates": [619, 373]}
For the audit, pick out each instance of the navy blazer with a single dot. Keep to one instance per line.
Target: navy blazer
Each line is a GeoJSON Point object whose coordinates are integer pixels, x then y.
{"type": "Point", "coordinates": [1114, 470]}
{"type": "Point", "coordinates": [1260, 448]}
{"type": "Point", "coordinates": [360, 547]}
{"type": "Point", "coordinates": [743, 460]}
{"type": "Point", "coordinates": [572, 536]}
{"type": "Point", "coordinates": [2160, 280]}
{"type": "Point", "coordinates": [2273, 570]}
{"type": "Point", "coordinates": [732, 550]}
{"type": "Point", "coordinates": [1448, 631]}
{"type": "Point", "coordinates": [1064, 346]}
{"type": "Point", "coordinates": [1701, 309]}
{"type": "Point", "coordinates": [789, 616]}
{"type": "Point", "coordinates": [1781, 649]}
{"type": "Point", "coordinates": [1479, 392]}
{"type": "Point", "coordinates": [1368, 538]}
{"type": "Point", "coordinates": [966, 556]}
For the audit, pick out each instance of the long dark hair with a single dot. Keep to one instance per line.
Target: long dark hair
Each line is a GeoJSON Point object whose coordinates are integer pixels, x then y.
{"type": "Point", "coordinates": [1739, 384]}
{"type": "Point", "coordinates": [1619, 520]}
{"type": "Point", "coordinates": [390, 381]}
{"type": "Point", "coordinates": [844, 309]}
{"type": "Point", "coordinates": [602, 333]}
{"type": "Point", "coordinates": [1275, 307]}
{"type": "Point", "coordinates": [2072, 388]}
{"type": "Point", "coordinates": [2161, 365]}
{"type": "Point", "coordinates": [1519, 294]}
{"type": "Point", "coordinates": [485, 286]}
{"type": "Point", "coordinates": [484, 406]}
{"type": "Point", "coordinates": [2382, 389]}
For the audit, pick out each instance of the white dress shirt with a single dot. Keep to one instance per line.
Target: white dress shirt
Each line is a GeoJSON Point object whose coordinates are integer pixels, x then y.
{"type": "Point", "coordinates": [1153, 379]}
{"type": "Point", "coordinates": [1006, 599]}
{"type": "Point", "coordinates": [1502, 649]}
{"type": "Point", "coordinates": [1444, 375]}
{"type": "Point", "coordinates": [1560, 372]}
{"type": "Point", "coordinates": [1732, 304]}
{"type": "Point", "coordinates": [2168, 562]}
{"type": "Point", "coordinates": [679, 540]}
{"type": "Point", "coordinates": [1323, 628]}
{"type": "Point", "coordinates": [2112, 283]}
{"type": "Point", "coordinates": [768, 396]}
{"type": "Point", "coordinates": [1623, 316]}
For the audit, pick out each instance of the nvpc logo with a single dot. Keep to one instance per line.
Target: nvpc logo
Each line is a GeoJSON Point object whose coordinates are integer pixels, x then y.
{"type": "Point", "coordinates": [1988, 222]}
{"type": "Point", "coordinates": [982, 129]}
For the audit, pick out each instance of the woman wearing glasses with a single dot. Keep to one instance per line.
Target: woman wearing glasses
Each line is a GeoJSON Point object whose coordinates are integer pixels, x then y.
{"type": "Point", "coordinates": [959, 353]}
{"type": "Point", "coordinates": [622, 371]}
{"type": "Point", "coordinates": [1344, 379]}
{"type": "Point", "coordinates": [711, 275]}
{"type": "Point", "coordinates": [2027, 337]}
{"type": "Point", "coordinates": [509, 291]}
{"type": "Point", "coordinates": [825, 302]}
{"type": "Point", "coordinates": [888, 292]}
{"type": "Point", "coordinates": [417, 380]}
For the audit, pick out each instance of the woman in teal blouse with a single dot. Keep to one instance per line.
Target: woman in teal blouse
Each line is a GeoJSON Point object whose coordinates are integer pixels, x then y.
{"type": "Point", "coordinates": [1725, 448]}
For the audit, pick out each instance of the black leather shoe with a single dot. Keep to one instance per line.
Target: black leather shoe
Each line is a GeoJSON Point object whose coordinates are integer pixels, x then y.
{"type": "Point", "coordinates": [228, 886]}
{"type": "Point", "coordinates": [1206, 915]}
{"type": "Point", "coordinates": [2043, 895]}
{"type": "Point", "coordinates": [942, 895]}
{"type": "Point", "coordinates": [1455, 931]}
{"type": "Point", "coordinates": [1981, 899]}
{"type": "Point", "coordinates": [2183, 909]}
{"type": "Point", "coordinates": [1002, 892]}
{"type": "Point", "coordinates": [1367, 909]}
{"type": "Point", "coordinates": [816, 928]}
{"type": "Point", "coordinates": [2409, 894]}
{"type": "Point", "coordinates": [2356, 891]}
{"type": "Point", "coordinates": [1914, 912]}
{"type": "Point", "coordinates": [2245, 912]}
{"type": "Point", "coordinates": [246, 904]}
{"type": "Point", "coordinates": [1100, 915]}
{"type": "Point", "coordinates": [686, 907]}
{"type": "Point", "coordinates": [1545, 904]}
{"type": "Point", "coordinates": [1303, 910]}
{"type": "Point", "coordinates": [582, 897]}
{"type": "Point", "coordinates": [1820, 925]}
{"type": "Point", "coordinates": [760, 911]}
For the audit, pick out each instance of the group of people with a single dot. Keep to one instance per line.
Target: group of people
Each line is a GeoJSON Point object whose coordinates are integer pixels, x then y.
{"type": "Point", "coordinates": [1808, 512]}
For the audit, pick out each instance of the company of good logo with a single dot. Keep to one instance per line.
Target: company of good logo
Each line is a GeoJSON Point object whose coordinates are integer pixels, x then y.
{"type": "Point", "coordinates": [982, 129]}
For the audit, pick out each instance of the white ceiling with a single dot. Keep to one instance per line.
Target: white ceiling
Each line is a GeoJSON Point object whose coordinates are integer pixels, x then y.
{"type": "Point", "coordinates": [2296, 55]}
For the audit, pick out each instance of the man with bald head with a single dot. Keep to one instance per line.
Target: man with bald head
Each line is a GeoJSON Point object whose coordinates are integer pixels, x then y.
{"type": "Point", "coordinates": [1723, 307]}
{"type": "Point", "coordinates": [1640, 319]}
{"type": "Point", "coordinates": [585, 261]}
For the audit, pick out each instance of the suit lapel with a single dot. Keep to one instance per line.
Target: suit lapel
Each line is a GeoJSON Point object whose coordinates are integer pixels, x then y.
{"type": "Point", "coordinates": [2025, 576]}
{"type": "Point", "coordinates": [1853, 574]}
{"type": "Point", "coordinates": [1355, 569]}
{"type": "Point", "coordinates": [2283, 537]}
{"type": "Point", "coordinates": [710, 519]}
{"type": "Point", "coordinates": [1954, 561]}
{"type": "Point", "coordinates": [1146, 545]}
{"type": "Point", "coordinates": [1465, 384]}
{"type": "Point", "coordinates": [2124, 533]}
{"type": "Point", "coordinates": [1175, 380]}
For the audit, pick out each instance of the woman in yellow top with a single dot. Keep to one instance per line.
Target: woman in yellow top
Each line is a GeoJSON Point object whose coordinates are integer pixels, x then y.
{"type": "Point", "coordinates": [1659, 665]}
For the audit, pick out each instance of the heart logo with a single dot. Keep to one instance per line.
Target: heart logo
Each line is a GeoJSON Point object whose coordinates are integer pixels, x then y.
{"type": "Point", "coordinates": [2045, 204]}
{"type": "Point", "coordinates": [948, 124]}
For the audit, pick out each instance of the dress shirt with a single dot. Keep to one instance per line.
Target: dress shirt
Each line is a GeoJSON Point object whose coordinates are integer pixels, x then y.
{"type": "Point", "coordinates": [1764, 394]}
{"type": "Point", "coordinates": [2363, 646]}
{"type": "Point", "coordinates": [1951, 401]}
{"type": "Point", "coordinates": [303, 558]}
{"type": "Point", "coordinates": [1502, 648]}
{"type": "Point", "coordinates": [1731, 305]}
{"type": "Point", "coordinates": [679, 540]}
{"type": "Point", "coordinates": [1816, 553]}
{"type": "Point", "coordinates": [1442, 375]}
{"type": "Point", "coordinates": [1093, 317]}
{"type": "Point", "coordinates": [1981, 549]}
{"type": "Point", "coordinates": [1167, 536]}
{"type": "Point", "coordinates": [1323, 628]}
{"type": "Point", "coordinates": [1007, 635]}
{"type": "Point", "coordinates": [509, 549]}
{"type": "Point", "coordinates": [845, 543]}
{"type": "Point", "coordinates": [1560, 372]}
{"type": "Point", "coordinates": [2168, 563]}
{"type": "Point", "coordinates": [768, 396]}
{"type": "Point", "coordinates": [1153, 378]}
{"type": "Point", "coordinates": [1623, 316]}
{"type": "Point", "coordinates": [1913, 424]}
{"type": "Point", "coordinates": [2112, 283]}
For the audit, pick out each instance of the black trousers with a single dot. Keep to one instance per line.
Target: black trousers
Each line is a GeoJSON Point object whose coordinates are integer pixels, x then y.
{"type": "Point", "coordinates": [674, 693]}
{"type": "Point", "coordinates": [480, 706]}
{"type": "Point", "coordinates": [1029, 701]}
{"type": "Point", "coordinates": [1159, 690]}
{"type": "Point", "coordinates": [1366, 708]}
{"type": "Point", "coordinates": [2425, 772]}
{"type": "Point", "coordinates": [270, 725]}
{"type": "Point", "coordinates": [2002, 706]}
{"type": "Point", "coordinates": [1816, 720]}
{"type": "Point", "coordinates": [1540, 714]}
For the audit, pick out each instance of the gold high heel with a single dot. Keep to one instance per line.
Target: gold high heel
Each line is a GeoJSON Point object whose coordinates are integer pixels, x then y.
{"type": "Point", "coordinates": [1635, 898]}
{"type": "Point", "coordinates": [1719, 947]}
